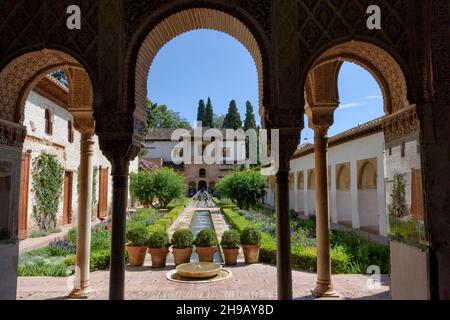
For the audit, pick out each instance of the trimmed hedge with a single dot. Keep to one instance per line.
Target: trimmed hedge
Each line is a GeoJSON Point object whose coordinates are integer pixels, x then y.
{"type": "Point", "coordinates": [303, 258]}
{"type": "Point", "coordinates": [170, 217]}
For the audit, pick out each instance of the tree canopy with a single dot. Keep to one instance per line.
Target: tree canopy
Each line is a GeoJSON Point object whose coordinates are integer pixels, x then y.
{"type": "Point", "coordinates": [250, 122]}
{"type": "Point", "coordinates": [245, 187]}
{"type": "Point", "coordinates": [201, 111]}
{"type": "Point", "coordinates": [160, 116]}
{"type": "Point", "coordinates": [232, 118]}
{"type": "Point", "coordinates": [209, 115]}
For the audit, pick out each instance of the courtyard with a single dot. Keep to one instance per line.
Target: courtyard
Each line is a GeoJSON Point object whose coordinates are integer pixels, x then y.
{"type": "Point", "coordinates": [248, 282]}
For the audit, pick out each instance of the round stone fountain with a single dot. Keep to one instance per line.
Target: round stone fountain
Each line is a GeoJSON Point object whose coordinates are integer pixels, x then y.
{"type": "Point", "coordinates": [199, 270]}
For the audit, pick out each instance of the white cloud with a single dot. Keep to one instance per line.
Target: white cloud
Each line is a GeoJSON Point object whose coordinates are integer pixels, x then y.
{"type": "Point", "coordinates": [374, 97]}
{"type": "Point", "coordinates": [350, 105]}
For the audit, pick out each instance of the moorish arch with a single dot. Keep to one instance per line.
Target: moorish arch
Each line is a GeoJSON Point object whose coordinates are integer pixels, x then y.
{"type": "Point", "coordinates": [189, 20]}
{"type": "Point", "coordinates": [17, 80]}
{"type": "Point", "coordinates": [322, 86]}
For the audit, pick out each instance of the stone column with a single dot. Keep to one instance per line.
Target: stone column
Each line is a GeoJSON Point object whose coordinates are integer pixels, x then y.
{"type": "Point", "coordinates": [305, 192]}
{"type": "Point", "coordinates": [323, 286]}
{"type": "Point", "coordinates": [296, 206]}
{"type": "Point", "coordinates": [81, 285]}
{"type": "Point", "coordinates": [333, 196]}
{"type": "Point", "coordinates": [381, 194]}
{"type": "Point", "coordinates": [354, 193]}
{"type": "Point", "coordinates": [120, 168]}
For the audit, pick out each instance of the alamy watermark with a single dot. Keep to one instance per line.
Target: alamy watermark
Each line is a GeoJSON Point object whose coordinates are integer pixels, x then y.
{"type": "Point", "coordinates": [226, 147]}
{"type": "Point", "coordinates": [74, 19]}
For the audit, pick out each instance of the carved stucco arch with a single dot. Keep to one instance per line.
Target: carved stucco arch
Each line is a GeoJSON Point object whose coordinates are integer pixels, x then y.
{"type": "Point", "coordinates": [378, 62]}
{"type": "Point", "coordinates": [185, 21]}
{"type": "Point", "coordinates": [19, 77]}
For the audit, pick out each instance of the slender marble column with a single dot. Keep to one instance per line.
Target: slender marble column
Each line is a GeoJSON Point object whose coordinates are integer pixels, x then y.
{"type": "Point", "coordinates": [324, 286]}
{"type": "Point", "coordinates": [81, 288]}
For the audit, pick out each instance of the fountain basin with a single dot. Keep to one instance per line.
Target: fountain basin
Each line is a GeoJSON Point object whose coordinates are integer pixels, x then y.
{"type": "Point", "coordinates": [199, 270]}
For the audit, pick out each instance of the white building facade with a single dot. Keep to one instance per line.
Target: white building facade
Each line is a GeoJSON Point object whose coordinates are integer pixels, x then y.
{"type": "Point", "coordinates": [50, 129]}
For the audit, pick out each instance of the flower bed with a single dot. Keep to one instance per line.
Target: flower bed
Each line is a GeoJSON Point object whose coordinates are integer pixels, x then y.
{"type": "Point", "coordinates": [349, 254]}
{"type": "Point", "coordinates": [58, 257]}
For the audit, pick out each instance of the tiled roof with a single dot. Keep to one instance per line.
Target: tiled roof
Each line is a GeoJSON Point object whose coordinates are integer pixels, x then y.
{"type": "Point", "coordinates": [360, 131]}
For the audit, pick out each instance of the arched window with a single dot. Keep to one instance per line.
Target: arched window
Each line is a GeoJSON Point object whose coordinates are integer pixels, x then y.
{"type": "Point", "coordinates": [70, 131]}
{"type": "Point", "coordinates": [48, 122]}
{"type": "Point", "coordinates": [202, 173]}
{"type": "Point", "coordinates": [367, 176]}
{"type": "Point", "coordinates": [343, 177]}
{"type": "Point", "coordinates": [301, 181]}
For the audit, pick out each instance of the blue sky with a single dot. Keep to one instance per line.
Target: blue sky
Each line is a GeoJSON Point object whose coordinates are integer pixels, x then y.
{"type": "Point", "coordinates": [205, 63]}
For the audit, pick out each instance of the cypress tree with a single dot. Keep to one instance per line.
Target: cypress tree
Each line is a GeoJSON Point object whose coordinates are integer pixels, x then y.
{"type": "Point", "coordinates": [233, 118]}
{"type": "Point", "coordinates": [250, 122]}
{"type": "Point", "coordinates": [201, 111]}
{"type": "Point", "coordinates": [209, 115]}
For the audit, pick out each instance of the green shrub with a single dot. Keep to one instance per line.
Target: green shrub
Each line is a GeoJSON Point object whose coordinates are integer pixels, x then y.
{"type": "Point", "coordinates": [137, 234]}
{"type": "Point", "coordinates": [182, 238]}
{"type": "Point", "coordinates": [144, 216]}
{"type": "Point", "coordinates": [72, 236]}
{"type": "Point", "coordinates": [100, 239]}
{"type": "Point", "coordinates": [206, 238]}
{"type": "Point", "coordinates": [43, 266]}
{"type": "Point", "coordinates": [70, 260]}
{"type": "Point", "coordinates": [230, 239]}
{"type": "Point", "coordinates": [251, 236]}
{"type": "Point", "coordinates": [363, 252]}
{"type": "Point", "coordinates": [99, 260]}
{"type": "Point", "coordinates": [165, 223]}
{"type": "Point", "coordinates": [158, 239]}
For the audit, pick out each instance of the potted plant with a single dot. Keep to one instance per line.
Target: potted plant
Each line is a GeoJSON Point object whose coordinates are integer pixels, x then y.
{"type": "Point", "coordinates": [182, 241]}
{"type": "Point", "coordinates": [230, 246]}
{"type": "Point", "coordinates": [251, 240]}
{"type": "Point", "coordinates": [158, 244]}
{"type": "Point", "coordinates": [206, 245]}
{"type": "Point", "coordinates": [137, 238]}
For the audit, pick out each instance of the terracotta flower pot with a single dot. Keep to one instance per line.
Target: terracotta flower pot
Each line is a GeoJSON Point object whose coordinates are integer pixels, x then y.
{"type": "Point", "coordinates": [251, 253]}
{"type": "Point", "coordinates": [230, 256]}
{"type": "Point", "coordinates": [206, 254]}
{"type": "Point", "coordinates": [159, 256]}
{"type": "Point", "coordinates": [182, 255]}
{"type": "Point", "coordinates": [136, 255]}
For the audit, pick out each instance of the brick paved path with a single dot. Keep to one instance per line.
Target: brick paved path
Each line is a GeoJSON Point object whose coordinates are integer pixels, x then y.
{"type": "Point", "coordinates": [247, 282]}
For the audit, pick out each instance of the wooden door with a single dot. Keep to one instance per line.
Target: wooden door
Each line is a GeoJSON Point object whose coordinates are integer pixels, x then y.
{"type": "Point", "coordinates": [103, 193]}
{"type": "Point", "coordinates": [417, 210]}
{"type": "Point", "coordinates": [67, 214]}
{"type": "Point", "coordinates": [23, 204]}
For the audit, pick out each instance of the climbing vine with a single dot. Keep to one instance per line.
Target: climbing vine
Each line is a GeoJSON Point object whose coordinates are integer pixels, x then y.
{"type": "Point", "coordinates": [48, 180]}
{"type": "Point", "coordinates": [398, 207]}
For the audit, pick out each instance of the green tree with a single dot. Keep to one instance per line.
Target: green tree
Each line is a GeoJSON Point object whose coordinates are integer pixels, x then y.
{"type": "Point", "coordinates": [48, 179]}
{"type": "Point", "coordinates": [201, 111]}
{"type": "Point", "coordinates": [218, 121]}
{"type": "Point", "coordinates": [141, 186]}
{"type": "Point", "coordinates": [250, 122]}
{"type": "Point", "coordinates": [160, 116]}
{"type": "Point", "coordinates": [233, 118]}
{"type": "Point", "coordinates": [209, 115]}
{"type": "Point", "coordinates": [245, 188]}
{"type": "Point", "coordinates": [166, 185]}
